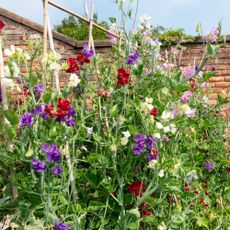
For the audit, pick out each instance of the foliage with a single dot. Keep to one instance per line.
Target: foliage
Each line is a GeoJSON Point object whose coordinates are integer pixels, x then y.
{"type": "Point", "coordinates": [79, 30]}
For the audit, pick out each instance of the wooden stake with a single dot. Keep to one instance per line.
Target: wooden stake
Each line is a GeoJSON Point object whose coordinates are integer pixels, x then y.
{"type": "Point", "coordinates": [9, 143]}
{"type": "Point", "coordinates": [51, 42]}
{"type": "Point", "coordinates": [45, 26]}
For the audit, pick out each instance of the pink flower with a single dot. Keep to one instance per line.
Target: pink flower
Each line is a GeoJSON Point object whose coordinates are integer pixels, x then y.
{"type": "Point", "coordinates": [189, 72]}
{"type": "Point", "coordinates": [212, 35]}
{"type": "Point", "coordinates": [112, 39]}
{"type": "Point", "coordinates": [185, 97]}
{"type": "Point", "coordinates": [204, 85]}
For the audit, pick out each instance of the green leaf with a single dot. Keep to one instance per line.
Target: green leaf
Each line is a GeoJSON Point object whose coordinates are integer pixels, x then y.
{"type": "Point", "coordinates": [46, 97]}
{"type": "Point", "coordinates": [33, 79]}
{"type": "Point", "coordinates": [11, 132]}
{"type": "Point", "coordinates": [134, 212]}
{"type": "Point", "coordinates": [92, 179]}
{"type": "Point", "coordinates": [11, 116]}
{"type": "Point", "coordinates": [212, 49]}
{"type": "Point", "coordinates": [112, 19]}
{"type": "Point", "coordinates": [222, 101]}
{"type": "Point", "coordinates": [208, 75]}
{"type": "Point", "coordinates": [202, 222]}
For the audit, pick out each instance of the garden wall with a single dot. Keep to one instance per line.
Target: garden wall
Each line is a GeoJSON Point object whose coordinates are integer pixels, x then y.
{"type": "Point", "coordinates": [18, 29]}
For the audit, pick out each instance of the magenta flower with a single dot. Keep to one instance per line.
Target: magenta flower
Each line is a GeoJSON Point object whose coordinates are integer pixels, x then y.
{"type": "Point", "coordinates": [209, 166]}
{"type": "Point", "coordinates": [212, 35]}
{"type": "Point", "coordinates": [38, 166]}
{"type": "Point", "coordinates": [70, 122]}
{"type": "Point", "coordinates": [60, 226]}
{"type": "Point", "coordinates": [27, 119]}
{"type": "Point", "coordinates": [56, 171]}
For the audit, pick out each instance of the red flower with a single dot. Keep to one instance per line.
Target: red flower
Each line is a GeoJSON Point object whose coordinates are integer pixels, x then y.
{"type": "Point", "coordinates": [49, 110]}
{"type": "Point", "coordinates": [154, 112]}
{"type": "Point", "coordinates": [123, 77]}
{"type": "Point", "coordinates": [206, 193]}
{"type": "Point", "coordinates": [101, 93]}
{"type": "Point", "coordinates": [2, 24]}
{"type": "Point", "coordinates": [63, 104]}
{"type": "Point", "coordinates": [228, 169]}
{"type": "Point", "coordinates": [187, 188]}
{"type": "Point", "coordinates": [61, 113]}
{"type": "Point", "coordinates": [81, 58]}
{"type": "Point", "coordinates": [73, 67]}
{"type": "Point", "coordinates": [193, 85]}
{"type": "Point", "coordinates": [21, 37]}
{"type": "Point", "coordinates": [137, 188]}
{"type": "Point", "coordinates": [146, 213]}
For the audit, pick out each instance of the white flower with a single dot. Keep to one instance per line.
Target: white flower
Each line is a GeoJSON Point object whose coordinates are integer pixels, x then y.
{"type": "Point", "coordinates": [152, 164]}
{"type": "Point", "coordinates": [166, 115]}
{"type": "Point", "coordinates": [126, 134]}
{"type": "Point", "coordinates": [8, 82]}
{"type": "Point", "coordinates": [125, 139]}
{"type": "Point", "coordinates": [165, 91]}
{"type": "Point", "coordinates": [55, 67]}
{"type": "Point", "coordinates": [162, 226]}
{"type": "Point", "coordinates": [172, 128]}
{"type": "Point", "coordinates": [73, 80]}
{"type": "Point", "coordinates": [159, 125]}
{"type": "Point", "coordinates": [8, 52]}
{"type": "Point", "coordinates": [157, 135]}
{"type": "Point", "coordinates": [89, 130]}
{"type": "Point", "coordinates": [148, 100]}
{"type": "Point", "coordinates": [144, 19]}
{"type": "Point", "coordinates": [161, 173]}
{"type": "Point", "coordinates": [166, 129]}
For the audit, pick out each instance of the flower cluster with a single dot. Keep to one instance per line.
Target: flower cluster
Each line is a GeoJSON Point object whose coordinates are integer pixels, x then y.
{"type": "Point", "coordinates": [123, 77]}
{"type": "Point", "coordinates": [146, 143]}
{"type": "Point", "coordinates": [53, 154]}
{"type": "Point", "coordinates": [212, 35]}
{"type": "Point", "coordinates": [63, 112]}
{"type": "Point", "coordinates": [39, 89]}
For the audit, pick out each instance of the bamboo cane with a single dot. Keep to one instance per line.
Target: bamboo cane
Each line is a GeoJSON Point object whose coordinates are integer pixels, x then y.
{"type": "Point", "coordinates": [45, 26]}
{"type": "Point", "coordinates": [9, 143]}
{"type": "Point", "coordinates": [82, 18]}
{"type": "Point", "coordinates": [51, 42]}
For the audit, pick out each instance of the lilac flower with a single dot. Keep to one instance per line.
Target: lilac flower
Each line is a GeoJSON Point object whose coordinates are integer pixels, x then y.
{"type": "Point", "coordinates": [185, 97]}
{"type": "Point", "coordinates": [112, 39]}
{"type": "Point", "coordinates": [53, 153]}
{"type": "Point", "coordinates": [209, 166]}
{"type": "Point", "coordinates": [39, 89]}
{"type": "Point", "coordinates": [56, 171]}
{"type": "Point", "coordinates": [27, 119]}
{"type": "Point", "coordinates": [176, 112]}
{"type": "Point", "coordinates": [38, 166]}
{"type": "Point", "coordinates": [71, 112]}
{"type": "Point", "coordinates": [89, 53]}
{"type": "Point", "coordinates": [193, 176]}
{"type": "Point", "coordinates": [60, 226]}
{"type": "Point", "coordinates": [190, 113]}
{"type": "Point", "coordinates": [70, 122]}
{"type": "Point", "coordinates": [189, 72]}
{"type": "Point", "coordinates": [212, 35]}
{"type": "Point", "coordinates": [133, 57]}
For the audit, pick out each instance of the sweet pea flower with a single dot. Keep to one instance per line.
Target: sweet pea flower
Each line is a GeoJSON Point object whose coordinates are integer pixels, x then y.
{"type": "Point", "coordinates": [209, 166]}
{"type": "Point", "coordinates": [27, 119]}
{"type": "Point", "coordinates": [56, 170]}
{"type": "Point", "coordinates": [74, 80]}
{"type": "Point", "coordinates": [190, 113]}
{"type": "Point", "coordinates": [38, 166]}
{"type": "Point", "coordinates": [60, 226]}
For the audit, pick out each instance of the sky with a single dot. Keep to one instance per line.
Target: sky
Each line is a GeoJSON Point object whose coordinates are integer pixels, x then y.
{"type": "Point", "coordinates": [184, 14]}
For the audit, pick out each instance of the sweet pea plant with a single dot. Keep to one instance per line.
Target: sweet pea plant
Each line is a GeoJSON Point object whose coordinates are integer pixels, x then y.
{"type": "Point", "coordinates": [140, 149]}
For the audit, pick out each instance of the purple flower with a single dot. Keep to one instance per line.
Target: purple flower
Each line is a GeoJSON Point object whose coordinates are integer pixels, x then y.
{"type": "Point", "coordinates": [70, 122]}
{"type": "Point", "coordinates": [150, 144]}
{"type": "Point", "coordinates": [89, 53]}
{"type": "Point", "coordinates": [153, 155]}
{"type": "Point", "coordinates": [71, 111]}
{"type": "Point", "coordinates": [185, 97]}
{"type": "Point", "coordinates": [60, 226]}
{"type": "Point", "coordinates": [213, 68]}
{"type": "Point", "coordinates": [38, 166]}
{"type": "Point", "coordinates": [27, 119]}
{"type": "Point", "coordinates": [193, 176]}
{"type": "Point", "coordinates": [133, 57]}
{"type": "Point", "coordinates": [140, 139]}
{"type": "Point", "coordinates": [138, 149]}
{"type": "Point", "coordinates": [212, 35]}
{"type": "Point", "coordinates": [39, 89]}
{"type": "Point", "coordinates": [53, 153]}
{"type": "Point", "coordinates": [209, 166]}
{"type": "Point", "coordinates": [56, 171]}
{"type": "Point", "coordinates": [19, 80]}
